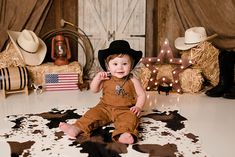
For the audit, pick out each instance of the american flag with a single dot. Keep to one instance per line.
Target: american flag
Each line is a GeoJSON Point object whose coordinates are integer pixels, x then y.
{"type": "Point", "coordinates": [61, 81]}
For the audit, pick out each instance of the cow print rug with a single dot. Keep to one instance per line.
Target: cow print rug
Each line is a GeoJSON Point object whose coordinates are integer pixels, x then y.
{"type": "Point", "coordinates": [162, 134]}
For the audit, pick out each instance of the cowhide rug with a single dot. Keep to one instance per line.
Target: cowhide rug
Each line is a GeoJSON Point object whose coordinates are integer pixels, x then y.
{"type": "Point", "coordinates": [162, 134]}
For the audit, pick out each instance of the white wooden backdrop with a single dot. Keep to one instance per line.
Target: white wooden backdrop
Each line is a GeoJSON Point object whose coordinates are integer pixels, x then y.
{"type": "Point", "coordinates": [107, 20]}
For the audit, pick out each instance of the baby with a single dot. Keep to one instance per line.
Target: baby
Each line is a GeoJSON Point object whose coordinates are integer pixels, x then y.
{"type": "Point", "coordinates": [123, 96]}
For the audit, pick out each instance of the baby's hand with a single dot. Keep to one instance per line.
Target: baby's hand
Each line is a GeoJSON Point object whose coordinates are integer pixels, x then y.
{"type": "Point", "coordinates": [136, 110]}
{"type": "Point", "coordinates": [103, 75]}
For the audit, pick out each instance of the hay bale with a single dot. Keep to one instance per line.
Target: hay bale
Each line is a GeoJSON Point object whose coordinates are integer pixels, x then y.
{"type": "Point", "coordinates": [205, 56]}
{"type": "Point", "coordinates": [165, 70]}
{"type": "Point", "coordinates": [191, 80]}
{"type": "Point", "coordinates": [37, 73]}
{"type": "Point", "coordinates": [144, 76]}
{"type": "Point", "coordinates": [10, 57]}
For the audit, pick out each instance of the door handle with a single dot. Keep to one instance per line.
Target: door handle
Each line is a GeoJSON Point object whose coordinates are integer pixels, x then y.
{"type": "Point", "coordinates": [136, 35]}
{"type": "Point", "coordinates": [111, 35]}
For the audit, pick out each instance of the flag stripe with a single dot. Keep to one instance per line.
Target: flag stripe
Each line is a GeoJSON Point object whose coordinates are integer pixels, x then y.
{"type": "Point", "coordinates": [63, 83]}
{"type": "Point", "coordinates": [62, 86]}
{"type": "Point", "coordinates": [60, 89]}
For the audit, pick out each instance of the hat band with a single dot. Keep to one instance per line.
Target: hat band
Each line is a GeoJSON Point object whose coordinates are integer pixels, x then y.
{"type": "Point", "coordinates": [24, 49]}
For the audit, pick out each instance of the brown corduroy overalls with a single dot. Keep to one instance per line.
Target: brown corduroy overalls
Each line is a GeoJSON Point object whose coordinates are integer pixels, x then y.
{"type": "Point", "coordinates": [113, 108]}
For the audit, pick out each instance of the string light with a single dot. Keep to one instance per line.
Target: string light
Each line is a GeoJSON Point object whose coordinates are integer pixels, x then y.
{"type": "Point", "coordinates": [150, 63]}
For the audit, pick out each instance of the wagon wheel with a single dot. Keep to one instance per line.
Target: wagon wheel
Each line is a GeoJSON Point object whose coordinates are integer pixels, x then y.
{"type": "Point", "coordinates": [83, 41]}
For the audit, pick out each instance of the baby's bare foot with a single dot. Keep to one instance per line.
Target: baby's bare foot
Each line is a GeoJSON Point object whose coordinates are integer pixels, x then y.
{"type": "Point", "coordinates": [70, 130]}
{"type": "Point", "coordinates": [126, 138]}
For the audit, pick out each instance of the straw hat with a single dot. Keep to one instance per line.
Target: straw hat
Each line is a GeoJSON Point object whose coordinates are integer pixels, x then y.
{"type": "Point", "coordinates": [30, 47]}
{"type": "Point", "coordinates": [118, 47]}
{"type": "Point", "coordinates": [193, 36]}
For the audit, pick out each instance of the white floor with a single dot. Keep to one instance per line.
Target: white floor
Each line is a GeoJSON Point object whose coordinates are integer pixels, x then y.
{"type": "Point", "coordinates": [212, 119]}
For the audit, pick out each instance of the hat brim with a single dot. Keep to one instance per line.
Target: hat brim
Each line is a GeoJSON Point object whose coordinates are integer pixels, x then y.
{"type": "Point", "coordinates": [180, 44]}
{"type": "Point", "coordinates": [103, 54]}
{"type": "Point", "coordinates": [29, 58]}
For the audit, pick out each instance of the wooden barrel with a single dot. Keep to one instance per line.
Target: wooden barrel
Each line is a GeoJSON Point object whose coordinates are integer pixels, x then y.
{"type": "Point", "coordinates": [13, 78]}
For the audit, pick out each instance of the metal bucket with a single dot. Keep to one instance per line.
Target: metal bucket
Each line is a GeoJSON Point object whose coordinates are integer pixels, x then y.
{"type": "Point", "coordinates": [13, 78]}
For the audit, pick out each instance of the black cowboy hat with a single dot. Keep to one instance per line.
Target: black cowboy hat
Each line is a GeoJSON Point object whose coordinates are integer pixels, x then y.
{"type": "Point", "coordinates": [118, 47]}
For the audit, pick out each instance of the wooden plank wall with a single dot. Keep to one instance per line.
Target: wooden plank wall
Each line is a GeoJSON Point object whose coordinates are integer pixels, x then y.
{"type": "Point", "coordinates": [160, 21]}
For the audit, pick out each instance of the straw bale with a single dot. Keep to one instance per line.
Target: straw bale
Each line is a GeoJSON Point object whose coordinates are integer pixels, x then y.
{"type": "Point", "coordinates": [10, 57]}
{"type": "Point", "coordinates": [165, 70]}
{"type": "Point", "coordinates": [205, 56]}
{"type": "Point", "coordinates": [37, 73]}
{"type": "Point", "coordinates": [144, 76]}
{"type": "Point", "coordinates": [191, 80]}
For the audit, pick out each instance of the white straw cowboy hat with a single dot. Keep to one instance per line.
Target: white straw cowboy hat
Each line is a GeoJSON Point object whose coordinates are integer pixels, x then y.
{"type": "Point", "coordinates": [193, 36]}
{"type": "Point", "coordinates": [31, 48]}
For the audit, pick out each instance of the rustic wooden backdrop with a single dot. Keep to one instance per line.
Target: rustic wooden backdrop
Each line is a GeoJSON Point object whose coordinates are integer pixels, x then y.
{"type": "Point", "coordinates": [161, 22]}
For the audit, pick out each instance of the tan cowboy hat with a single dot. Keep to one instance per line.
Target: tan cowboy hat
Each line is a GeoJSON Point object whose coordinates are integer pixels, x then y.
{"type": "Point", "coordinates": [31, 48]}
{"type": "Point", "coordinates": [193, 36]}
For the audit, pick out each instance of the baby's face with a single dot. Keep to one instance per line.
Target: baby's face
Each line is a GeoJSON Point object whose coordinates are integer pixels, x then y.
{"type": "Point", "coordinates": [120, 66]}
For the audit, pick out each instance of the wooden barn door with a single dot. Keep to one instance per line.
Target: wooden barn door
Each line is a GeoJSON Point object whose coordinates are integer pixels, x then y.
{"type": "Point", "coordinates": [107, 20]}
